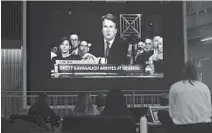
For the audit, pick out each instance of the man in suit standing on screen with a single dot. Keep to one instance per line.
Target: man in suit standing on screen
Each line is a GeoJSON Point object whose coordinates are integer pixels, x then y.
{"type": "Point", "coordinates": [112, 50]}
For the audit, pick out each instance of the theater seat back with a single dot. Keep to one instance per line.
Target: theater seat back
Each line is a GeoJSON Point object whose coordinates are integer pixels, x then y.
{"type": "Point", "coordinates": [194, 128]}
{"type": "Point", "coordinates": [98, 124]}
{"type": "Point", "coordinates": [138, 113]}
{"type": "Point", "coordinates": [31, 118]}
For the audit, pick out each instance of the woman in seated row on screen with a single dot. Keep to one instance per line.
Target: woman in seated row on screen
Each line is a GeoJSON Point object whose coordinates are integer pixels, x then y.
{"type": "Point", "coordinates": [189, 100]}
{"type": "Point", "coordinates": [64, 51]}
{"type": "Point", "coordinates": [150, 55]}
{"type": "Point", "coordinates": [155, 63]}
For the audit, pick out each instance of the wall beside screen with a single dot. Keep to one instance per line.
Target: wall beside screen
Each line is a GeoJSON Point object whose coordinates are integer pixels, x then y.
{"type": "Point", "coordinates": [47, 22]}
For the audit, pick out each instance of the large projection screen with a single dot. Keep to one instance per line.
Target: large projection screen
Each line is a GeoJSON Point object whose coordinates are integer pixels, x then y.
{"type": "Point", "coordinates": [49, 24]}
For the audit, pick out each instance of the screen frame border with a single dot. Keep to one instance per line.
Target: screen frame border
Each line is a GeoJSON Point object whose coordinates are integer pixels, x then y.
{"type": "Point", "coordinates": [24, 48]}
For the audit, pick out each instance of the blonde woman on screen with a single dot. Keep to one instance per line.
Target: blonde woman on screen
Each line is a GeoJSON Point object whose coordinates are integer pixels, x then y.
{"type": "Point", "coordinates": [156, 60]}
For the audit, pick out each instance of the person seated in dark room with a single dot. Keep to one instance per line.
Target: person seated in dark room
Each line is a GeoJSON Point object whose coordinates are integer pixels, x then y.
{"type": "Point", "coordinates": [100, 103]}
{"type": "Point", "coordinates": [42, 109]}
{"type": "Point", "coordinates": [74, 41]}
{"type": "Point", "coordinates": [83, 52]}
{"type": "Point", "coordinates": [84, 106]}
{"type": "Point", "coordinates": [143, 58]}
{"type": "Point", "coordinates": [156, 60]}
{"type": "Point", "coordinates": [164, 99]}
{"type": "Point", "coordinates": [115, 104]}
{"type": "Point", "coordinates": [189, 100]}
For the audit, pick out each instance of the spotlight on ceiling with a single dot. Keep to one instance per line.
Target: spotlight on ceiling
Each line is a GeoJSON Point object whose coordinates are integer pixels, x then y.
{"type": "Point", "coordinates": [206, 39]}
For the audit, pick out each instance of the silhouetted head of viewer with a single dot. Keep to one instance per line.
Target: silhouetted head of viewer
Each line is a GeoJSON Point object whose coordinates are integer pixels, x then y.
{"type": "Point", "coordinates": [41, 107]}
{"type": "Point", "coordinates": [100, 102]}
{"type": "Point", "coordinates": [164, 99]}
{"type": "Point", "coordinates": [109, 28]}
{"type": "Point", "coordinates": [190, 71]}
{"type": "Point", "coordinates": [43, 98]}
{"type": "Point", "coordinates": [116, 104]}
{"type": "Point", "coordinates": [84, 105]}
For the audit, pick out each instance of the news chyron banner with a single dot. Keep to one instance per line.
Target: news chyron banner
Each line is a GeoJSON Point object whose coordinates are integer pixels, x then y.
{"type": "Point", "coordinates": [76, 67]}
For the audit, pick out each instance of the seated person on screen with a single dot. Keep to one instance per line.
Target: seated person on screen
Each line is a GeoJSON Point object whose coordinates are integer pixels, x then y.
{"type": "Point", "coordinates": [100, 103]}
{"type": "Point", "coordinates": [189, 99]}
{"type": "Point", "coordinates": [42, 109]}
{"type": "Point", "coordinates": [83, 52]}
{"type": "Point", "coordinates": [64, 49]}
{"type": "Point", "coordinates": [84, 106]}
{"type": "Point", "coordinates": [132, 48]}
{"type": "Point", "coordinates": [115, 104]}
{"type": "Point", "coordinates": [156, 40]}
{"type": "Point", "coordinates": [74, 41]}
{"type": "Point", "coordinates": [63, 53]}
{"type": "Point", "coordinates": [140, 48]}
{"type": "Point", "coordinates": [156, 60]}
{"type": "Point", "coordinates": [143, 58]}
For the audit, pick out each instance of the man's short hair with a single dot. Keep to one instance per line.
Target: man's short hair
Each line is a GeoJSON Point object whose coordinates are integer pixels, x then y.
{"type": "Point", "coordinates": [83, 41]}
{"type": "Point", "coordinates": [141, 40]}
{"type": "Point", "coordinates": [157, 37]}
{"type": "Point", "coordinates": [74, 34]}
{"type": "Point", "coordinates": [148, 39]}
{"type": "Point", "coordinates": [110, 17]}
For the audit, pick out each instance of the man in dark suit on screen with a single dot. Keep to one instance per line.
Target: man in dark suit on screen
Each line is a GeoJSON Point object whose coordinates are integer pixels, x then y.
{"type": "Point", "coordinates": [112, 50]}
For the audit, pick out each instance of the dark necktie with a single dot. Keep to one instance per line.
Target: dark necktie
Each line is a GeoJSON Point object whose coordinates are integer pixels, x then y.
{"type": "Point", "coordinates": [107, 49]}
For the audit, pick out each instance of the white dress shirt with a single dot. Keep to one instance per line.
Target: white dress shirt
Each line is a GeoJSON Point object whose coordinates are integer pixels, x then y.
{"type": "Point", "coordinates": [75, 51]}
{"type": "Point", "coordinates": [105, 44]}
{"type": "Point", "coordinates": [53, 55]}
